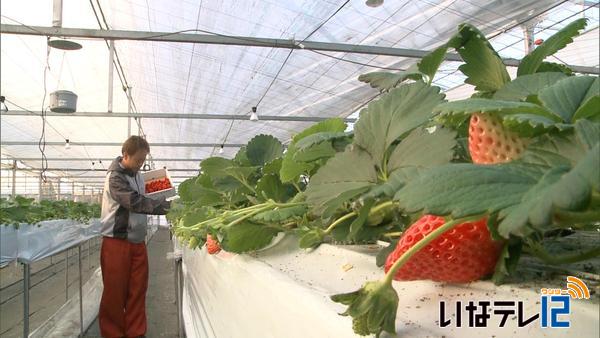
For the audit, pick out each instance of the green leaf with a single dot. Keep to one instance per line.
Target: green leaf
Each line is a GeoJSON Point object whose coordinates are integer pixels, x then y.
{"type": "Point", "coordinates": [316, 138]}
{"type": "Point", "coordinates": [359, 221]}
{"type": "Point", "coordinates": [553, 150]}
{"type": "Point", "coordinates": [552, 67]}
{"type": "Point", "coordinates": [273, 167]}
{"type": "Point", "coordinates": [240, 173]}
{"type": "Point", "coordinates": [463, 189]}
{"type": "Point", "coordinates": [590, 107]}
{"type": "Point", "coordinates": [315, 152]}
{"type": "Point", "coordinates": [333, 125]}
{"type": "Point", "coordinates": [311, 239]}
{"type": "Point", "coordinates": [191, 191]}
{"type": "Point", "coordinates": [383, 254]}
{"type": "Point", "coordinates": [423, 149]}
{"type": "Point", "coordinates": [431, 62]}
{"type": "Point", "coordinates": [241, 158]}
{"type": "Point", "coordinates": [281, 215]}
{"type": "Point", "coordinates": [483, 66]}
{"type": "Point", "coordinates": [246, 236]}
{"type": "Point", "coordinates": [395, 181]}
{"type": "Point", "coordinates": [558, 188]}
{"type": "Point", "coordinates": [566, 96]}
{"type": "Point", "coordinates": [291, 169]}
{"type": "Point", "coordinates": [263, 149]}
{"type": "Point", "coordinates": [508, 260]}
{"type": "Point", "coordinates": [393, 115]}
{"type": "Point", "coordinates": [346, 175]}
{"type": "Point", "coordinates": [522, 87]}
{"type": "Point", "coordinates": [270, 187]}
{"type": "Point", "coordinates": [385, 81]}
{"type": "Point", "coordinates": [529, 125]}
{"type": "Point", "coordinates": [588, 133]}
{"type": "Point", "coordinates": [196, 215]}
{"type": "Point", "coordinates": [214, 166]}
{"type": "Point", "coordinates": [497, 107]}
{"type": "Point", "coordinates": [556, 42]}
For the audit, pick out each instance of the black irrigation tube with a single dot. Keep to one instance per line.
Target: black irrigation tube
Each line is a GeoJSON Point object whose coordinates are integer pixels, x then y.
{"type": "Point", "coordinates": [20, 281]}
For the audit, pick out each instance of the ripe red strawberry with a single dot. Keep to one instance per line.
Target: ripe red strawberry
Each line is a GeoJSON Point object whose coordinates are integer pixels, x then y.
{"type": "Point", "coordinates": [463, 254]}
{"type": "Point", "coordinates": [490, 142]}
{"type": "Point", "coordinates": [212, 245]}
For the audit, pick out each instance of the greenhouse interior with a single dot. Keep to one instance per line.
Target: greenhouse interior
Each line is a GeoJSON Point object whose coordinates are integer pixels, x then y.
{"type": "Point", "coordinates": [300, 168]}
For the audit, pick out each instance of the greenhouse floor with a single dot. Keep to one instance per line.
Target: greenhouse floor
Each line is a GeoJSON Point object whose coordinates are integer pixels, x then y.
{"type": "Point", "coordinates": [161, 309]}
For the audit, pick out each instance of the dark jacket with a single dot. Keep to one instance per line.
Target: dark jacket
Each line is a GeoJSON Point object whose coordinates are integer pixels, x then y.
{"type": "Point", "coordinates": [124, 206]}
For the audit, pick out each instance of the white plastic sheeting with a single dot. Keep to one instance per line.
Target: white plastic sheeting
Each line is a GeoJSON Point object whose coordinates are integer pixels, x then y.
{"type": "Point", "coordinates": [30, 243]}
{"type": "Point", "coordinates": [218, 79]}
{"type": "Point", "coordinates": [284, 292]}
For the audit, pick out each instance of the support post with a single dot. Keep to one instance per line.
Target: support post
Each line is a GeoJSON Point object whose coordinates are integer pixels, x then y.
{"type": "Point", "coordinates": [111, 58]}
{"type": "Point", "coordinates": [80, 294]}
{"type": "Point", "coordinates": [26, 286]}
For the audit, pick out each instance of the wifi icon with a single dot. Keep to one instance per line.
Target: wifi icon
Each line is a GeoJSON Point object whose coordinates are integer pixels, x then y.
{"type": "Point", "coordinates": [577, 288]}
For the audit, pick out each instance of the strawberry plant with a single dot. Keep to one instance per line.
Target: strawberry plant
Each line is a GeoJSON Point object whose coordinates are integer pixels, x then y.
{"type": "Point", "coordinates": [534, 145]}
{"type": "Point", "coordinates": [19, 210]}
{"type": "Point", "coordinates": [481, 180]}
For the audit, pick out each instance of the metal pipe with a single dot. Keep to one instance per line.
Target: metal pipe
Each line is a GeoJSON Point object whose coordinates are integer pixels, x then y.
{"type": "Point", "coordinates": [111, 58]}
{"type": "Point", "coordinates": [119, 144]}
{"type": "Point", "coordinates": [57, 9]}
{"type": "Point", "coordinates": [80, 294]}
{"type": "Point", "coordinates": [26, 285]}
{"type": "Point", "coordinates": [14, 179]}
{"type": "Point", "coordinates": [114, 34]}
{"type": "Point", "coordinates": [67, 276]}
{"type": "Point", "coordinates": [179, 116]}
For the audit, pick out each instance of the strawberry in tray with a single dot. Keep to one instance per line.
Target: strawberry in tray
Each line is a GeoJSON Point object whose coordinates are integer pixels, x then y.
{"type": "Point", "coordinates": [158, 185]}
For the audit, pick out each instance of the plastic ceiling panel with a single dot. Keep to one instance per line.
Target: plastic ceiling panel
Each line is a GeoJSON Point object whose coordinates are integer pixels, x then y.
{"type": "Point", "coordinates": [217, 79]}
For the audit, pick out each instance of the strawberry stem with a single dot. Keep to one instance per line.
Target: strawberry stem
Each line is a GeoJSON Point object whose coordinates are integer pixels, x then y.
{"type": "Point", "coordinates": [389, 277]}
{"type": "Point", "coordinates": [338, 221]}
{"type": "Point", "coordinates": [538, 251]}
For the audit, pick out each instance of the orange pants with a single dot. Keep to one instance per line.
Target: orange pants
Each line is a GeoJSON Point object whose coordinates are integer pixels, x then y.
{"type": "Point", "coordinates": [125, 277]}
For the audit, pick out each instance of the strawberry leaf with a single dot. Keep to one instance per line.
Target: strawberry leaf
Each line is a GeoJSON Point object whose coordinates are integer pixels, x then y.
{"type": "Point", "coordinates": [385, 81]}
{"type": "Point", "coordinates": [343, 177]}
{"type": "Point", "coordinates": [431, 62]}
{"type": "Point", "coordinates": [313, 139]}
{"type": "Point", "coordinates": [270, 187]}
{"type": "Point", "coordinates": [359, 221]}
{"type": "Point", "coordinates": [334, 125]}
{"type": "Point", "coordinates": [483, 66]}
{"type": "Point", "coordinates": [393, 115]}
{"type": "Point", "coordinates": [566, 96]}
{"type": "Point", "coordinates": [315, 152]}
{"type": "Point", "coordinates": [247, 236]}
{"type": "Point", "coordinates": [558, 188]}
{"type": "Point", "coordinates": [463, 189]}
{"type": "Point", "coordinates": [508, 260]}
{"type": "Point", "coordinates": [273, 167]}
{"type": "Point", "coordinates": [395, 181]}
{"type": "Point", "coordinates": [214, 166]}
{"type": "Point", "coordinates": [522, 87]}
{"type": "Point", "coordinates": [263, 149]}
{"type": "Point", "coordinates": [556, 42]}
{"type": "Point", "coordinates": [241, 158]}
{"type": "Point", "coordinates": [385, 252]}
{"type": "Point", "coordinates": [589, 109]}
{"type": "Point", "coordinates": [467, 107]}
{"type": "Point", "coordinates": [424, 149]}
{"type": "Point", "coordinates": [554, 68]}
{"type": "Point", "coordinates": [191, 191]}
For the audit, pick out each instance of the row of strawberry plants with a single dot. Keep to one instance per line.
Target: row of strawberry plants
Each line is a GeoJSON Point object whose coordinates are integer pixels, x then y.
{"type": "Point", "coordinates": [467, 185]}
{"type": "Point", "coordinates": [22, 210]}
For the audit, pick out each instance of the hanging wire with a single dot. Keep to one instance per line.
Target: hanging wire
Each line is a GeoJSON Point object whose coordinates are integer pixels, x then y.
{"type": "Point", "coordinates": [42, 140]}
